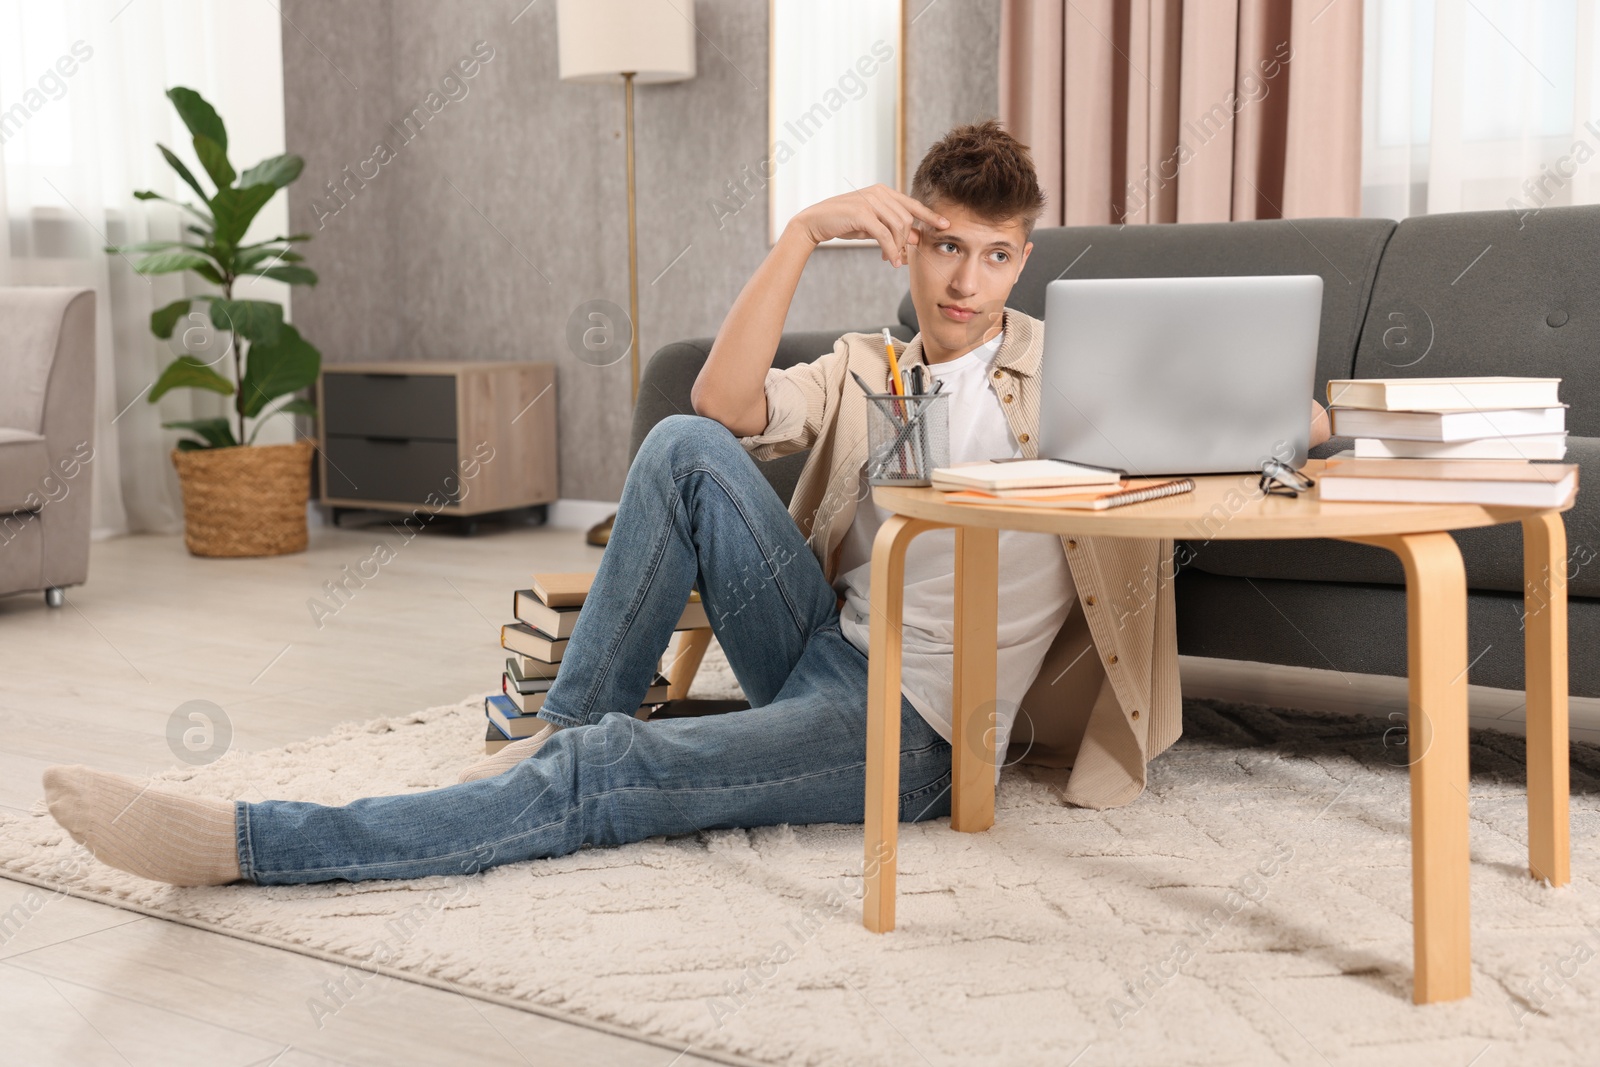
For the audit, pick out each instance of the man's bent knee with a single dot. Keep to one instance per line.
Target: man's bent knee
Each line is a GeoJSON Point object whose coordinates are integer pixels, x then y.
{"type": "Point", "coordinates": [677, 437]}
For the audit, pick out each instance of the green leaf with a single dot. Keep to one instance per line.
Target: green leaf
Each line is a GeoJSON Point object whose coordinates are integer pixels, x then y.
{"type": "Point", "coordinates": [191, 445]}
{"type": "Point", "coordinates": [255, 255]}
{"type": "Point", "coordinates": [216, 432]}
{"type": "Point", "coordinates": [258, 320]}
{"type": "Point", "coordinates": [171, 263]}
{"type": "Point", "coordinates": [189, 373]}
{"type": "Point", "coordinates": [276, 369]}
{"type": "Point", "coordinates": [145, 194]}
{"type": "Point", "coordinates": [276, 240]}
{"type": "Point", "coordinates": [237, 208]}
{"type": "Point", "coordinates": [164, 320]}
{"type": "Point", "coordinates": [210, 274]}
{"type": "Point", "coordinates": [183, 171]}
{"type": "Point", "coordinates": [214, 158]}
{"type": "Point", "coordinates": [199, 116]}
{"type": "Point", "coordinates": [291, 275]}
{"type": "Point", "coordinates": [278, 171]}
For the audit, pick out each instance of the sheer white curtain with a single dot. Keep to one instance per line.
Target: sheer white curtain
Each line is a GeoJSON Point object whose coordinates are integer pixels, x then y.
{"type": "Point", "coordinates": [82, 106]}
{"type": "Point", "coordinates": [1474, 105]}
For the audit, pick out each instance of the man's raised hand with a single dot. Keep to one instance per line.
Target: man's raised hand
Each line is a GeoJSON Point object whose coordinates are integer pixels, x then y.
{"type": "Point", "coordinates": [876, 213]}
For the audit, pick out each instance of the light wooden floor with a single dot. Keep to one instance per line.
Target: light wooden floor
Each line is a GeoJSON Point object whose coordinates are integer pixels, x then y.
{"type": "Point", "coordinates": [97, 682]}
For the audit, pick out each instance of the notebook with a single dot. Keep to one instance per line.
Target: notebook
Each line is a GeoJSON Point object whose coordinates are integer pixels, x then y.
{"type": "Point", "coordinates": [1130, 491]}
{"type": "Point", "coordinates": [991, 474]}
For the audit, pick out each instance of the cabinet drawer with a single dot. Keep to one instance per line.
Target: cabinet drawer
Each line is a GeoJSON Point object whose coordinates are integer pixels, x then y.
{"type": "Point", "coordinates": [390, 405]}
{"type": "Point", "coordinates": [396, 469]}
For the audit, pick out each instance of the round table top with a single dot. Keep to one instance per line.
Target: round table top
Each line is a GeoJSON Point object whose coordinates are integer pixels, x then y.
{"type": "Point", "coordinates": [1222, 507]}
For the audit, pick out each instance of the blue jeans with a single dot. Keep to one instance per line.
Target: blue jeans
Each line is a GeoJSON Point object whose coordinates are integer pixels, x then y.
{"type": "Point", "coordinates": [695, 513]}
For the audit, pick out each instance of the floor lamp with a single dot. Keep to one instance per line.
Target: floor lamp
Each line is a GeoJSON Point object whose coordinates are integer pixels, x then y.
{"type": "Point", "coordinates": [626, 41]}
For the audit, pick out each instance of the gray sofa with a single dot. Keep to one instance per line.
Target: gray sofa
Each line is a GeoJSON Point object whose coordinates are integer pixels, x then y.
{"type": "Point", "coordinates": [47, 338]}
{"type": "Point", "coordinates": [1466, 293]}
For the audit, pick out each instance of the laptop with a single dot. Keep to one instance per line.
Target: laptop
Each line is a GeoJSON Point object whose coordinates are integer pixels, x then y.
{"type": "Point", "coordinates": [1174, 376]}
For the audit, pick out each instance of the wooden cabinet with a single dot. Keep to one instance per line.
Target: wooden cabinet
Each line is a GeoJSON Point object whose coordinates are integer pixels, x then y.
{"type": "Point", "coordinates": [446, 438]}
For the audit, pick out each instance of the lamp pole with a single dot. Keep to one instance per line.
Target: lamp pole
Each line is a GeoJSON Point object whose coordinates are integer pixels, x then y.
{"type": "Point", "coordinates": [633, 238]}
{"type": "Point", "coordinates": [600, 533]}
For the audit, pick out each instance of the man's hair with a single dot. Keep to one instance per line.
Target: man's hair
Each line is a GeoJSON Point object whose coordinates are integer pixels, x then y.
{"type": "Point", "coordinates": [984, 169]}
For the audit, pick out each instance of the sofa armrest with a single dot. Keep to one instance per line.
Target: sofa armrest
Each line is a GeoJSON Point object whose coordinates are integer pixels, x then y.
{"type": "Point", "coordinates": [69, 431]}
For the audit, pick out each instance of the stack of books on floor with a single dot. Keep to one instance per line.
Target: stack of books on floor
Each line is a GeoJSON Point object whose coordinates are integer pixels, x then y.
{"type": "Point", "coordinates": [1049, 483]}
{"type": "Point", "coordinates": [1450, 441]}
{"type": "Point", "coordinates": [545, 617]}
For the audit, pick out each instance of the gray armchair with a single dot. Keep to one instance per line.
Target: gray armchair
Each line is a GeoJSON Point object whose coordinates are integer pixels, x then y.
{"type": "Point", "coordinates": [47, 338]}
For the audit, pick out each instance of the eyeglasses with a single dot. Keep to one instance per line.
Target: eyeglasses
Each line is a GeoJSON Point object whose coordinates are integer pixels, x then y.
{"type": "Point", "coordinates": [1278, 479]}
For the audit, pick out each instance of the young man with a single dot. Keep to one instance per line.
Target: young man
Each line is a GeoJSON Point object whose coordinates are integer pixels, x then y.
{"type": "Point", "coordinates": [695, 512]}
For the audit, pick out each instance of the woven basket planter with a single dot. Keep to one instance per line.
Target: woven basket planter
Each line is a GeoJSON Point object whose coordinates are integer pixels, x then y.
{"type": "Point", "coordinates": [245, 501]}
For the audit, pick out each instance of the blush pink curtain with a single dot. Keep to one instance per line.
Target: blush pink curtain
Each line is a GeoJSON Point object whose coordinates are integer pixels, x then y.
{"type": "Point", "coordinates": [1197, 111]}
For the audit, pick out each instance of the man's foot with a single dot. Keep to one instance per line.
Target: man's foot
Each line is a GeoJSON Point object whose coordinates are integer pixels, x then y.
{"type": "Point", "coordinates": [510, 756]}
{"type": "Point", "coordinates": [143, 830]}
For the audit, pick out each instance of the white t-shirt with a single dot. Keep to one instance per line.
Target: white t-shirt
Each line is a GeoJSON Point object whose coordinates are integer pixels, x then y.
{"type": "Point", "coordinates": [1036, 589]}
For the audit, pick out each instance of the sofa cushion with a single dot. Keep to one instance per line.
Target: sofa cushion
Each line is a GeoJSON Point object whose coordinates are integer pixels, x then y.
{"type": "Point", "coordinates": [1491, 292]}
{"type": "Point", "coordinates": [24, 462]}
{"type": "Point", "coordinates": [1492, 554]}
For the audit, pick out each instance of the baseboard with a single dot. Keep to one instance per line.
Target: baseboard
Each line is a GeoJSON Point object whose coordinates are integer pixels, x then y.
{"type": "Point", "coordinates": [563, 514]}
{"type": "Point", "coordinates": [568, 514]}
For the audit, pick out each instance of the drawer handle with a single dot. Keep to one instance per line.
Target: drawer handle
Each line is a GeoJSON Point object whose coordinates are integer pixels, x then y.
{"type": "Point", "coordinates": [383, 374]}
{"type": "Point", "coordinates": [388, 440]}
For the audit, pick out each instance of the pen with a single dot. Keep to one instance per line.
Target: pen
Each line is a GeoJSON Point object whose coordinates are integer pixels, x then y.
{"type": "Point", "coordinates": [859, 381]}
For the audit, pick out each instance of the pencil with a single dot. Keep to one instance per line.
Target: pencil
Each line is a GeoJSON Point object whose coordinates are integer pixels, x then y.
{"type": "Point", "coordinates": [894, 365]}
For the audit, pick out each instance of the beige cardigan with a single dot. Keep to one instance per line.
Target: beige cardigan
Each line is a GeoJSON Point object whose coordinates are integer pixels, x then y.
{"type": "Point", "coordinates": [1105, 715]}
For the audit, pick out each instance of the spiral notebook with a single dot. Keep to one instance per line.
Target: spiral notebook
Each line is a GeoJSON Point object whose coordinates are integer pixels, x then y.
{"type": "Point", "coordinates": [1129, 491]}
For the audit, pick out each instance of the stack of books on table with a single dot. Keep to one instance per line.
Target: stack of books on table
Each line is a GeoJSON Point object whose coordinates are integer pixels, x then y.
{"type": "Point", "coordinates": [1049, 483]}
{"type": "Point", "coordinates": [1450, 441]}
{"type": "Point", "coordinates": [537, 640]}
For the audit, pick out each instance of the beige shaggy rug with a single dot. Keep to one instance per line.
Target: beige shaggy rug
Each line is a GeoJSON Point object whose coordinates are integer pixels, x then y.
{"type": "Point", "coordinates": [1253, 907]}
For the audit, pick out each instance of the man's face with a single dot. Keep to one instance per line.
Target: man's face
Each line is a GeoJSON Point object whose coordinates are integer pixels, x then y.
{"type": "Point", "coordinates": [961, 277]}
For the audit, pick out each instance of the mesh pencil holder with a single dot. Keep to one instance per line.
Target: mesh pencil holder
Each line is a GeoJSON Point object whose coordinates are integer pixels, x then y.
{"type": "Point", "coordinates": [907, 437]}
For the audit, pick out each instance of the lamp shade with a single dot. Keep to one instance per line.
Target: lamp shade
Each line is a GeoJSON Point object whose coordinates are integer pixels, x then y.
{"type": "Point", "coordinates": [600, 40]}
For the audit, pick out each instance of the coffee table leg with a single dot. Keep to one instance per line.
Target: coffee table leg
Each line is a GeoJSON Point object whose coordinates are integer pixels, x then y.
{"type": "Point", "coordinates": [1544, 574]}
{"type": "Point", "coordinates": [972, 708]}
{"type": "Point", "coordinates": [883, 719]}
{"type": "Point", "coordinates": [1436, 644]}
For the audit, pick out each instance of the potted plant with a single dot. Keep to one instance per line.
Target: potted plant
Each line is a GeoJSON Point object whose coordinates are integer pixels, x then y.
{"type": "Point", "coordinates": [239, 498]}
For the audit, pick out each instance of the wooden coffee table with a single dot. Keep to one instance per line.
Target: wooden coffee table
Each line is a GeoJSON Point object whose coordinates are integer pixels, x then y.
{"type": "Point", "coordinates": [1436, 643]}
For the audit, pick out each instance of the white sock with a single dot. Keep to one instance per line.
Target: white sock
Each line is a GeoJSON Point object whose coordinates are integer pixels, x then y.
{"type": "Point", "coordinates": [510, 756]}
{"type": "Point", "coordinates": [143, 830]}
